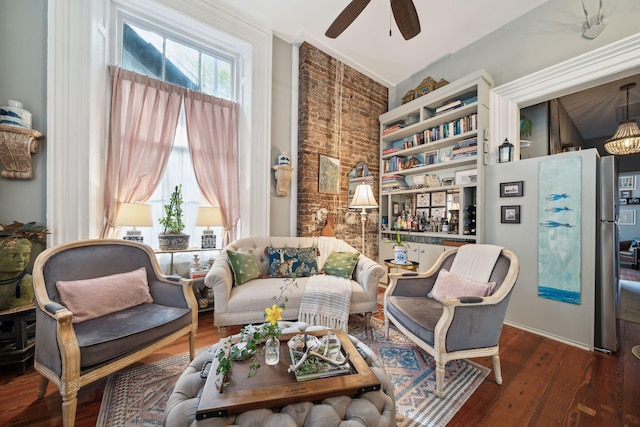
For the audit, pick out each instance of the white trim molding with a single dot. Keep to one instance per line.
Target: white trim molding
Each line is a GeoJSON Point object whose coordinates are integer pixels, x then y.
{"type": "Point", "coordinates": [608, 63]}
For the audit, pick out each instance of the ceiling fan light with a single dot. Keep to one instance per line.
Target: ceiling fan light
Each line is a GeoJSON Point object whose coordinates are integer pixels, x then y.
{"type": "Point", "coordinates": [626, 140]}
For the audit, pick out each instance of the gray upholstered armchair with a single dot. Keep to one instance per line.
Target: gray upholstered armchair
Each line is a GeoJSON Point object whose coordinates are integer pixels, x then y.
{"type": "Point", "coordinates": [100, 306]}
{"type": "Point", "coordinates": [453, 328]}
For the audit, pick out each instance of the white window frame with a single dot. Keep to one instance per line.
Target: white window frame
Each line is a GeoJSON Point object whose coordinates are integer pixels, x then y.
{"type": "Point", "coordinates": [80, 47]}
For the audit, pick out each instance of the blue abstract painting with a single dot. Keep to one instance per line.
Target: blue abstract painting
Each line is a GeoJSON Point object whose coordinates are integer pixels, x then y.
{"type": "Point", "coordinates": [559, 232]}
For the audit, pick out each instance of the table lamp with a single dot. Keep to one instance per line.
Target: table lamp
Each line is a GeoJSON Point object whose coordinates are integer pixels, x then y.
{"type": "Point", "coordinates": [363, 198]}
{"type": "Point", "coordinates": [208, 216]}
{"type": "Point", "coordinates": [134, 215]}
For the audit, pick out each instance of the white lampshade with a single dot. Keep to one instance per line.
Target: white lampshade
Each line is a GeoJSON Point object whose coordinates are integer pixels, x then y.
{"type": "Point", "coordinates": [363, 197]}
{"type": "Point", "coordinates": [208, 216]}
{"type": "Point", "coordinates": [134, 215]}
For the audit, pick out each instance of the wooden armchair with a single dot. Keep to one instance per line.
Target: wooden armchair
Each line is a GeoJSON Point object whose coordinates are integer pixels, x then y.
{"type": "Point", "coordinates": [102, 305]}
{"type": "Point", "coordinates": [454, 328]}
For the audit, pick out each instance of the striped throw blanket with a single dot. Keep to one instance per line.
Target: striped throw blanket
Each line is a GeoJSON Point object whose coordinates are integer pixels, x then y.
{"type": "Point", "coordinates": [325, 302]}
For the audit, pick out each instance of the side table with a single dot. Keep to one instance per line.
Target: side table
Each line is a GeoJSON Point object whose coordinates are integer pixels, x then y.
{"type": "Point", "coordinates": [17, 336]}
{"type": "Point", "coordinates": [411, 266]}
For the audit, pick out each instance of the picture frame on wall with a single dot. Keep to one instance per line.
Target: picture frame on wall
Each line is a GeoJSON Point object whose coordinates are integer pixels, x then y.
{"type": "Point", "coordinates": [627, 182]}
{"type": "Point", "coordinates": [510, 214]}
{"type": "Point", "coordinates": [627, 217]}
{"type": "Point", "coordinates": [439, 198]}
{"type": "Point", "coordinates": [423, 200]}
{"type": "Point", "coordinates": [511, 189]}
{"type": "Point", "coordinates": [633, 201]}
{"type": "Point", "coordinates": [625, 194]}
{"type": "Point", "coordinates": [329, 175]}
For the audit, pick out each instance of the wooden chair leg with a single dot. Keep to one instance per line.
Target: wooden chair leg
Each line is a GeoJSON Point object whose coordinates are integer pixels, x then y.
{"type": "Point", "coordinates": [496, 368]}
{"type": "Point", "coordinates": [386, 328]}
{"type": "Point", "coordinates": [439, 379]}
{"type": "Point", "coordinates": [42, 387]}
{"type": "Point", "coordinates": [69, 407]}
{"type": "Point", "coordinates": [367, 321]}
{"type": "Point", "coordinates": [192, 345]}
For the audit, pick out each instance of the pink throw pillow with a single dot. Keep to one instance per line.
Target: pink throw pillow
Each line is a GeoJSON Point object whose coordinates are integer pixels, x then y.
{"type": "Point", "coordinates": [91, 298]}
{"type": "Point", "coordinates": [451, 286]}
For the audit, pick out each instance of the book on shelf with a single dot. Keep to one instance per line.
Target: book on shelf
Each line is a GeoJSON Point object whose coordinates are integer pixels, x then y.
{"type": "Point", "coordinates": [314, 367]}
{"type": "Point", "coordinates": [450, 106]}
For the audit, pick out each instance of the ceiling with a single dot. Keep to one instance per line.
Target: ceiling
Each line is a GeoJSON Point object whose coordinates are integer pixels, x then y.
{"type": "Point", "coordinates": [596, 112]}
{"type": "Point", "coordinates": [366, 45]}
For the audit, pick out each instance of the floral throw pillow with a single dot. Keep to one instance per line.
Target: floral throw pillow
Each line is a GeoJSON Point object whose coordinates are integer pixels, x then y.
{"type": "Point", "coordinates": [290, 262]}
{"type": "Point", "coordinates": [341, 264]}
{"type": "Point", "coordinates": [244, 266]}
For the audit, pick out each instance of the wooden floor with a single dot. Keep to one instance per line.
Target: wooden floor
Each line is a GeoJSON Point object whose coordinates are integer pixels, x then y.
{"type": "Point", "coordinates": [545, 383]}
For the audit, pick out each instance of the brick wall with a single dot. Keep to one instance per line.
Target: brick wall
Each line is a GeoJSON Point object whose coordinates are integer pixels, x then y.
{"type": "Point", "coordinates": [338, 117]}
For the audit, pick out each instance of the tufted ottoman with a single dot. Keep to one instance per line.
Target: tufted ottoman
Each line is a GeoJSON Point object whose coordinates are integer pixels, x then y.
{"type": "Point", "coordinates": [375, 408]}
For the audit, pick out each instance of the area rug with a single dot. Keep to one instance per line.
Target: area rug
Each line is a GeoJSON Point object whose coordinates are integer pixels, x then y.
{"type": "Point", "coordinates": [629, 306]}
{"type": "Point", "coordinates": [138, 396]}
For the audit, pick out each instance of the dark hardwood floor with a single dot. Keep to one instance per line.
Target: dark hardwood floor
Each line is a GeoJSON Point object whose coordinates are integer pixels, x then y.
{"type": "Point", "coordinates": [545, 383]}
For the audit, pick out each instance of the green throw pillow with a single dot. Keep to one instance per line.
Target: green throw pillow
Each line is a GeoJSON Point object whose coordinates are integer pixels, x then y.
{"type": "Point", "coordinates": [244, 265]}
{"type": "Point", "coordinates": [341, 264]}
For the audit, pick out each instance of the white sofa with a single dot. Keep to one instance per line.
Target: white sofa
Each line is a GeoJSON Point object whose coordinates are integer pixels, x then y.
{"type": "Point", "coordinates": [245, 304]}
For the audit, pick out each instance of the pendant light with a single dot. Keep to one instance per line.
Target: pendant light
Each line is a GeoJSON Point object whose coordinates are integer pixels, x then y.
{"type": "Point", "coordinates": [626, 140]}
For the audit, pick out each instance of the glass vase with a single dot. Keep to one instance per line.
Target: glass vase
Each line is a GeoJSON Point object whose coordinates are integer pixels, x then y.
{"type": "Point", "coordinates": [272, 351]}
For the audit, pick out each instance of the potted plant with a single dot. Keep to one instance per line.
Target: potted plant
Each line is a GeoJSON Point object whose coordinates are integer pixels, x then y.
{"type": "Point", "coordinates": [400, 249]}
{"type": "Point", "coordinates": [172, 238]}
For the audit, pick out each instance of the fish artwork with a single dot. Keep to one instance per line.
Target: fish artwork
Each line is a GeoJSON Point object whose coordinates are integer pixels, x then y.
{"type": "Point", "coordinates": [557, 196]}
{"type": "Point", "coordinates": [555, 224]}
{"type": "Point", "coordinates": [558, 209]}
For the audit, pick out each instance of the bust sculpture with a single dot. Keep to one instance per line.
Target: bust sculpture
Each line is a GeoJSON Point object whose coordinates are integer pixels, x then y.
{"type": "Point", "coordinates": [16, 285]}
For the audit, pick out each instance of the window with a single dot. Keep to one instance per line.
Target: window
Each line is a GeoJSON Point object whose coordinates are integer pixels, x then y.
{"type": "Point", "coordinates": [170, 58]}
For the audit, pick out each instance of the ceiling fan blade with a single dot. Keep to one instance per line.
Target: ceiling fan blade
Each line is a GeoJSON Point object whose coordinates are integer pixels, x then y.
{"type": "Point", "coordinates": [346, 17]}
{"type": "Point", "coordinates": [406, 17]}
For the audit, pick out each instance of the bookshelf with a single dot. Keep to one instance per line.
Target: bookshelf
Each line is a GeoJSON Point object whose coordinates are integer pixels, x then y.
{"type": "Point", "coordinates": [432, 155]}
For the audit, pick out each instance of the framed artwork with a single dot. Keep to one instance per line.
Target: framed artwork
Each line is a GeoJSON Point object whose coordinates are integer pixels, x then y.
{"type": "Point", "coordinates": [511, 189]}
{"type": "Point", "coordinates": [625, 194]}
{"type": "Point", "coordinates": [626, 182]}
{"type": "Point", "coordinates": [627, 217]}
{"type": "Point", "coordinates": [438, 212]}
{"type": "Point", "coordinates": [510, 214]}
{"type": "Point", "coordinates": [439, 198]}
{"type": "Point", "coordinates": [396, 208]}
{"type": "Point", "coordinates": [469, 176]}
{"type": "Point", "coordinates": [423, 200]}
{"type": "Point", "coordinates": [329, 175]}
{"type": "Point", "coordinates": [622, 201]}
{"type": "Point", "coordinates": [633, 201]}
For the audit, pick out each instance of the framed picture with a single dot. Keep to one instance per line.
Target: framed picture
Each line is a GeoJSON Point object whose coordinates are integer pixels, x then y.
{"type": "Point", "coordinates": [329, 175]}
{"type": "Point", "coordinates": [469, 176]}
{"type": "Point", "coordinates": [510, 214]}
{"type": "Point", "coordinates": [511, 189]}
{"type": "Point", "coordinates": [627, 217]}
{"type": "Point", "coordinates": [438, 212]}
{"type": "Point", "coordinates": [633, 201]}
{"type": "Point", "coordinates": [625, 194]}
{"type": "Point", "coordinates": [622, 201]}
{"type": "Point", "coordinates": [439, 198]}
{"type": "Point", "coordinates": [431, 157]}
{"type": "Point", "coordinates": [423, 200]}
{"type": "Point", "coordinates": [627, 182]}
{"type": "Point", "coordinates": [396, 208]}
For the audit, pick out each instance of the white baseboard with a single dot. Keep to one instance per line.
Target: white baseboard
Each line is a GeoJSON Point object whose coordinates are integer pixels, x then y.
{"type": "Point", "coordinates": [550, 336]}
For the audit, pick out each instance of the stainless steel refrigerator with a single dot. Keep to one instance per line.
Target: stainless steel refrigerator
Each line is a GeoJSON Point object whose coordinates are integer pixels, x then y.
{"type": "Point", "coordinates": [607, 258]}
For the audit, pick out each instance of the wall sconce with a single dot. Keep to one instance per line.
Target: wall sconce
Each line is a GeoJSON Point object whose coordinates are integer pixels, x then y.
{"type": "Point", "coordinates": [134, 215]}
{"type": "Point", "coordinates": [505, 152]}
{"type": "Point", "coordinates": [208, 216]}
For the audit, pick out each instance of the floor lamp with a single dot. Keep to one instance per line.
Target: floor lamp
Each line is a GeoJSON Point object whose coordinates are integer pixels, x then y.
{"type": "Point", "coordinates": [363, 198]}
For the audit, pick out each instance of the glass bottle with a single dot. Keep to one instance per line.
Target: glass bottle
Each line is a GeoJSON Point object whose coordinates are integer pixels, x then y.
{"type": "Point", "coordinates": [272, 351]}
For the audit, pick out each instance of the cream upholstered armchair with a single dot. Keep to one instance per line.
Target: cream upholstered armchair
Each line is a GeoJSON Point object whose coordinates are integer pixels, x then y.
{"type": "Point", "coordinates": [454, 327]}
{"type": "Point", "coordinates": [102, 305]}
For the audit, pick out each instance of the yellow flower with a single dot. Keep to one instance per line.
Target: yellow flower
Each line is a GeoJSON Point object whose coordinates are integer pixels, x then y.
{"type": "Point", "coordinates": [273, 314]}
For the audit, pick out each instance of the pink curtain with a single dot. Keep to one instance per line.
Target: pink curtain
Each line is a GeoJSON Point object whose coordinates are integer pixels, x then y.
{"type": "Point", "coordinates": [144, 117]}
{"type": "Point", "coordinates": [212, 130]}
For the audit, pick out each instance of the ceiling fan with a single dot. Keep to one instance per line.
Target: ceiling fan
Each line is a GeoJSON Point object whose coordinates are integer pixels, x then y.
{"type": "Point", "coordinates": [404, 13]}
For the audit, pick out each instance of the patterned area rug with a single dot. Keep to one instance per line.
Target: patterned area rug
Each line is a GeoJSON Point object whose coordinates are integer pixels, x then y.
{"type": "Point", "coordinates": [137, 396]}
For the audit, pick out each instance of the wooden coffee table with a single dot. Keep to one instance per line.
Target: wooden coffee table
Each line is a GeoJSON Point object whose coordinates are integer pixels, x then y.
{"type": "Point", "coordinates": [273, 386]}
